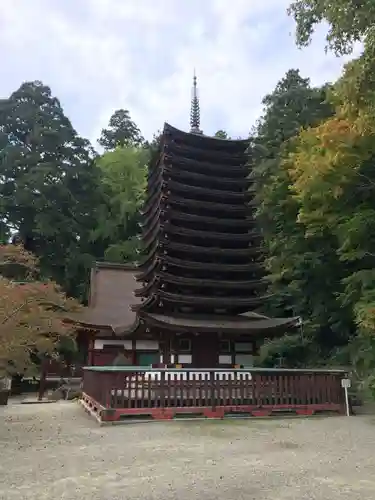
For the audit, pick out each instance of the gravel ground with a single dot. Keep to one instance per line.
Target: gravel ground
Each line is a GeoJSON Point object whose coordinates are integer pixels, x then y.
{"type": "Point", "coordinates": [55, 451]}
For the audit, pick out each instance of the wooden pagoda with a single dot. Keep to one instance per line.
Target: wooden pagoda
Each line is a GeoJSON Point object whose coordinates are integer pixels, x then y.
{"type": "Point", "coordinates": [190, 307]}
{"type": "Point", "coordinates": [193, 299]}
{"type": "Point", "coordinates": [203, 278]}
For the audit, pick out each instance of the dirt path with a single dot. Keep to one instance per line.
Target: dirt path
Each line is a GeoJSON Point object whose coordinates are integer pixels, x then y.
{"type": "Point", "coordinates": [55, 451]}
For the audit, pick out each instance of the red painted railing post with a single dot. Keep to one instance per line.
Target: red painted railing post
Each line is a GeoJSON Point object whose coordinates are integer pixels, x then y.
{"type": "Point", "coordinates": [213, 389]}
{"type": "Point", "coordinates": [162, 389]}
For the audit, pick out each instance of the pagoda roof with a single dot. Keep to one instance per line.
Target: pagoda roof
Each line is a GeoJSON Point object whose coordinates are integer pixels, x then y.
{"type": "Point", "coordinates": [222, 159]}
{"type": "Point", "coordinates": [149, 206]}
{"type": "Point", "coordinates": [239, 284]}
{"type": "Point", "coordinates": [154, 182]}
{"type": "Point", "coordinates": [240, 171]}
{"type": "Point", "coordinates": [209, 205]}
{"type": "Point", "coordinates": [203, 178]}
{"type": "Point", "coordinates": [217, 301]}
{"type": "Point", "coordinates": [237, 195]}
{"type": "Point", "coordinates": [214, 235]}
{"type": "Point", "coordinates": [114, 307]}
{"type": "Point", "coordinates": [208, 266]}
{"type": "Point", "coordinates": [111, 299]}
{"type": "Point", "coordinates": [155, 232]}
{"type": "Point", "coordinates": [246, 323]}
{"type": "Point", "coordinates": [195, 249]}
{"type": "Point", "coordinates": [204, 141]}
{"type": "Point", "coordinates": [199, 282]}
{"type": "Point", "coordinates": [154, 253]}
{"type": "Point", "coordinates": [212, 220]}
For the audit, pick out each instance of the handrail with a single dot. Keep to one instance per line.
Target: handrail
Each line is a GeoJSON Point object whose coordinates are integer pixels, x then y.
{"type": "Point", "coordinates": [117, 393]}
{"type": "Point", "coordinates": [218, 369]}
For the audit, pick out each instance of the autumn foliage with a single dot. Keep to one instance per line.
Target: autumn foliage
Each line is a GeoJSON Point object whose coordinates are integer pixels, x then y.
{"type": "Point", "coordinates": [332, 180]}
{"type": "Point", "coordinates": [32, 311]}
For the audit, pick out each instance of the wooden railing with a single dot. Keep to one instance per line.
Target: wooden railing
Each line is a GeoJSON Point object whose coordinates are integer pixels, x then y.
{"type": "Point", "coordinates": [121, 391]}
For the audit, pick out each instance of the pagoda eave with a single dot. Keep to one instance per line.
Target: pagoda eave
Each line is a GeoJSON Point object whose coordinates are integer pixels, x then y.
{"type": "Point", "coordinates": [150, 232]}
{"type": "Point", "coordinates": [178, 187]}
{"type": "Point", "coordinates": [235, 146]}
{"type": "Point", "coordinates": [151, 201]}
{"type": "Point", "coordinates": [180, 280]}
{"type": "Point", "coordinates": [154, 269]}
{"type": "Point", "coordinates": [203, 167]}
{"type": "Point", "coordinates": [145, 272]}
{"type": "Point", "coordinates": [266, 327]}
{"type": "Point", "coordinates": [208, 205]}
{"type": "Point", "coordinates": [195, 249]}
{"type": "Point", "coordinates": [221, 158]}
{"type": "Point", "coordinates": [214, 235]}
{"type": "Point", "coordinates": [211, 266]}
{"type": "Point", "coordinates": [145, 305]}
{"type": "Point", "coordinates": [152, 285]}
{"type": "Point", "coordinates": [153, 214]}
{"type": "Point", "coordinates": [146, 289]}
{"type": "Point", "coordinates": [211, 301]}
{"type": "Point", "coordinates": [203, 179]}
{"type": "Point", "coordinates": [148, 261]}
{"type": "Point", "coordinates": [211, 220]}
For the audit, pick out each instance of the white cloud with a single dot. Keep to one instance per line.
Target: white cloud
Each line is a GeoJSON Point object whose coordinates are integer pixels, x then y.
{"type": "Point", "coordinates": [100, 55]}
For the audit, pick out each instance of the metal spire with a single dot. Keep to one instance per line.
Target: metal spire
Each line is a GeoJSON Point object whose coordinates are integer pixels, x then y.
{"type": "Point", "coordinates": [195, 115]}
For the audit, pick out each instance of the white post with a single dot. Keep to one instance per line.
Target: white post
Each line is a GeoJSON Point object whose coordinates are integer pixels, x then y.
{"type": "Point", "coordinates": [347, 402]}
{"type": "Point", "coordinates": [345, 384]}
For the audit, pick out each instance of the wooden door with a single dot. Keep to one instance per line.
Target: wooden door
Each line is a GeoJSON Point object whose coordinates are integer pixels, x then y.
{"type": "Point", "coordinates": [205, 351]}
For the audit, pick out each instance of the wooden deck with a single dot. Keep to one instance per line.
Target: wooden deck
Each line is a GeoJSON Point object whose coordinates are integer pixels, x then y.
{"type": "Point", "coordinates": [119, 393]}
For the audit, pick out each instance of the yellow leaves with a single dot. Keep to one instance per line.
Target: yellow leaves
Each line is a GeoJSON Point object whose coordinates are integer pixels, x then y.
{"type": "Point", "coordinates": [15, 260]}
{"type": "Point", "coordinates": [365, 316]}
{"type": "Point", "coordinates": [16, 253]}
{"type": "Point", "coordinates": [327, 157]}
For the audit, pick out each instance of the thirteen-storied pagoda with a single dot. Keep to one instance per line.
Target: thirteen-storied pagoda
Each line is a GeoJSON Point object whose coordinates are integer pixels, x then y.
{"type": "Point", "coordinates": [202, 279]}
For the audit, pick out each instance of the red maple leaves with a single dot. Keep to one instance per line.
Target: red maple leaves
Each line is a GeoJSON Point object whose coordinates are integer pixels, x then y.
{"type": "Point", "coordinates": [32, 312]}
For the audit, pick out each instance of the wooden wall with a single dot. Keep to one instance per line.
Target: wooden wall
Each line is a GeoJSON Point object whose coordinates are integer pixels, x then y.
{"type": "Point", "coordinates": [197, 351]}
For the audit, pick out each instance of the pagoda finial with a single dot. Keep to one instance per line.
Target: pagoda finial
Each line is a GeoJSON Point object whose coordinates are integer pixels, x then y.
{"type": "Point", "coordinates": [195, 117]}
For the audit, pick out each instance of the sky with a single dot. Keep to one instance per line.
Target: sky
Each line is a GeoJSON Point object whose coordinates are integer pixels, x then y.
{"type": "Point", "coordinates": [101, 55]}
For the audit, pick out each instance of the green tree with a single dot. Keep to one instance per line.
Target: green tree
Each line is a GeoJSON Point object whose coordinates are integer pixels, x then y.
{"type": "Point", "coordinates": [221, 134]}
{"type": "Point", "coordinates": [123, 185]}
{"type": "Point", "coordinates": [4, 233]}
{"type": "Point", "coordinates": [331, 169]}
{"type": "Point", "coordinates": [153, 146]}
{"type": "Point", "coordinates": [48, 184]}
{"type": "Point", "coordinates": [349, 21]}
{"type": "Point", "coordinates": [303, 271]}
{"type": "Point", "coordinates": [121, 131]}
{"type": "Point", "coordinates": [334, 182]}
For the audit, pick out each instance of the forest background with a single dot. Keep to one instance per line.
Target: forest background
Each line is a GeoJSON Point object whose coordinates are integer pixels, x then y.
{"type": "Point", "coordinates": [312, 158]}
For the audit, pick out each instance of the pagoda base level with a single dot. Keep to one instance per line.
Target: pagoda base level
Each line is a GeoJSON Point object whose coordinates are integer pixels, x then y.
{"type": "Point", "coordinates": [126, 415]}
{"type": "Point", "coordinates": [205, 350]}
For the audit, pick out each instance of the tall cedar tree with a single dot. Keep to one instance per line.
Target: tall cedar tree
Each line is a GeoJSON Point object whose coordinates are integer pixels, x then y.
{"type": "Point", "coordinates": [48, 184]}
{"type": "Point", "coordinates": [121, 131]}
{"type": "Point", "coordinates": [303, 271]}
{"type": "Point", "coordinates": [32, 313]}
